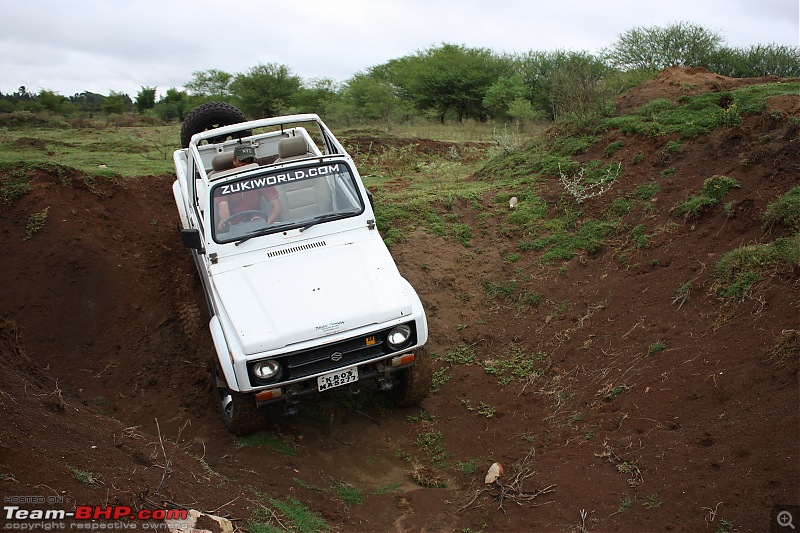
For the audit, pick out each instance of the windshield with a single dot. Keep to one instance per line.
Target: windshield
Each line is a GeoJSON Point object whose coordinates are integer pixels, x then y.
{"type": "Point", "coordinates": [275, 200]}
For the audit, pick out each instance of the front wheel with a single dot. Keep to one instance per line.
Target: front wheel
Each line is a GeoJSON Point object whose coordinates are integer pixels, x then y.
{"type": "Point", "coordinates": [239, 411]}
{"type": "Point", "coordinates": [413, 384]}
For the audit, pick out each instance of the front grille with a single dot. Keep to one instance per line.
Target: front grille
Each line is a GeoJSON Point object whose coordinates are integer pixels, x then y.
{"type": "Point", "coordinates": [297, 365]}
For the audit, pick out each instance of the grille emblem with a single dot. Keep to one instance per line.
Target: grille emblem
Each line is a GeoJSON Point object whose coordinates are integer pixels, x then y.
{"type": "Point", "coordinates": [336, 356]}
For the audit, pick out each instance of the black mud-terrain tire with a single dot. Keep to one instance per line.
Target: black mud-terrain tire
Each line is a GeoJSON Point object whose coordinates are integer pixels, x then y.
{"type": "Point", "coordinates": [209, 116]}
{"type": "Point", "coordinates": [412, 385]}
{"type": "Point", "coordinates": [239, 411]}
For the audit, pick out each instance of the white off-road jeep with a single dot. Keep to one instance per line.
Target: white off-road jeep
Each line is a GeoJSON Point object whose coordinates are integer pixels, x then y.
{"type": "Point", "coordinates": [303, 299]}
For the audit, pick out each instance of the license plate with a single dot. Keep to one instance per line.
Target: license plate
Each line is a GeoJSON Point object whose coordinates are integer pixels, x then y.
{"type": "Point", "coordinates": [338, 378]}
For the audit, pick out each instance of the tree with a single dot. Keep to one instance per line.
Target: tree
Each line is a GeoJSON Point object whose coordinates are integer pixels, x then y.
{"type": "Point", "coordinates": [499, 97]}
{"type": "Point", "coordinates": [116, 103]}
{"type": "Point", "coordinates": [87, 102]}
{"type": "Point", "coordinates": [213, 84]}
{"type": "Point", "coordinates": [50, 100]}
{"type": "Point", "coordinates": [564, 82]}
{"type": "Point", "coordinates": [145, 99]}
{"type": "Point", "coordinates": [755, 61]}
{"type": "Point", "coordinates": [450, 78]}
{"type": "Point", "coordinates": [172, 106]}
{"type": "Point", "coordinates": [576, 86]}
{"type": "Point", "coordinates": [370, 97]}
{"type": "Point", "coordinates": [315, 95]}
{"type": "Point", "coordinates": [265, 90]}
{"type": "Point", "coordinates": [653, 48]}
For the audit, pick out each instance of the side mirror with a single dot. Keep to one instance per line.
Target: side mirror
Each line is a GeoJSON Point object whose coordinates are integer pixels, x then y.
{"type": "Point", "coordinates": [191, 239]}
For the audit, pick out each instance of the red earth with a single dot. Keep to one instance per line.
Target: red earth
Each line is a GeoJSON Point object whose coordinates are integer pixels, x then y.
{"type": "Point", "coordinates": [652, 408]}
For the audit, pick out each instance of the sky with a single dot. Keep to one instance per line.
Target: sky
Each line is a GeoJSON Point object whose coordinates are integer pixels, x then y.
{"type": "Point", "coordinates": [124, 45]}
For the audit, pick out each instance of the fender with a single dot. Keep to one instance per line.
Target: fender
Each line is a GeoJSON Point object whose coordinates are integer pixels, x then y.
{"type": "Point", "coordinates": [221, 348]}
{"type": "Point", "coordinates": [177, 193]}
{"type": "Point", "coordinates": [418, 310]}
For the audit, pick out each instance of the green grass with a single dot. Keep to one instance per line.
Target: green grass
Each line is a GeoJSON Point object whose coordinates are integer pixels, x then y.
{"type": "Point", "coordinates": [112, 151]}
{"type": "Point", "coordinates": [296, 517]}
{"type": "Point", "coordinates": [785, 210]}
{"type": "Point", "coordinates": [740, 270]}
{"type": "Point", "coordinates": [713, 191]}
{"type": "Point", "coordinates": [265, 440]}
{"type": "Point", "coordinates": [700, 114]}
{"type": "Point", "coordinates": [348, 493]}
{"type": "Point", "coordinates": [496, 290]}
{"type": "Point", "coordinates": [647, 190]}
{"type": "Point", "coordinates": [468, 467]}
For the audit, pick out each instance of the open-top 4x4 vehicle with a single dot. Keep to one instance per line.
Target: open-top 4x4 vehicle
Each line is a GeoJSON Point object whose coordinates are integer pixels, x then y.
{"type": "Point", "coordinates": [303, 293]}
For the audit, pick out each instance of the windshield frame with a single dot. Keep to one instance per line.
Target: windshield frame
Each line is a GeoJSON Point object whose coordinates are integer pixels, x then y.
{"type": "Point", "coordinates": [337, 174]}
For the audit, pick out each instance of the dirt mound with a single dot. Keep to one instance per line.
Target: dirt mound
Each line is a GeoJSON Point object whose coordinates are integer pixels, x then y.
{"type": "Point", "coordinates": [599, 385]}
{"type": "Point", "coordinates": [674, 82]}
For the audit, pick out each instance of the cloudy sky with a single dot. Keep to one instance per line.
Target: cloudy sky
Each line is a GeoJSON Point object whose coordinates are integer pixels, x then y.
{"type": "Point", "coordinates": [123, 45]}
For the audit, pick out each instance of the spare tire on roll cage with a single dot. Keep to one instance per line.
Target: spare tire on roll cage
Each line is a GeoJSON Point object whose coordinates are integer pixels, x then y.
{"type": "Point", "coordinates": [209, 116]}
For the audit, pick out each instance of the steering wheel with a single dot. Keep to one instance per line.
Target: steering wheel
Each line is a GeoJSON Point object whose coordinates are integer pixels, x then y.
{"type": "Point", "coordinates": [251, 212]}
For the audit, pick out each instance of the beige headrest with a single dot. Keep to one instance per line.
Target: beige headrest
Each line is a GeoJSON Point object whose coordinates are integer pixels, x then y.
{"type": "Point", "coordinates": [292, 147]}
{"type": "Point", "coordinates": [222, 161]}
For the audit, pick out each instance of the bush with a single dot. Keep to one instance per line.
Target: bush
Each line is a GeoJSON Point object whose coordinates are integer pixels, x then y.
{"type": "Point", "coordinates": [714, 190]}
{"type": "Point", "coordinates": [785, 210]}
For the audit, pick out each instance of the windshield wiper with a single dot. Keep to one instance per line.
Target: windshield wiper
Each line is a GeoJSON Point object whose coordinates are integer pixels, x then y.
{"type": "Point", "coordinates": [263, 231]}
{"type": "Point", "coordinates": [328, 216]}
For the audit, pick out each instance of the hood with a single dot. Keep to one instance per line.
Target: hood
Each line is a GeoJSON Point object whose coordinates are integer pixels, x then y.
{"type": "Point", "coordinates": [312, 293]}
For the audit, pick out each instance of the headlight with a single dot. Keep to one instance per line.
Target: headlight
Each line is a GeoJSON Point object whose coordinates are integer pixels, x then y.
{"type": "Point", "coordinates": [398, 337]}
{"type": "Point", "coordinates": [266, 369]}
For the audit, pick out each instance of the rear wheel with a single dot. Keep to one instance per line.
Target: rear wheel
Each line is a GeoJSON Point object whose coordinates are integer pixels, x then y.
{"type": "Point", "coordinates": [209, 116]}
{"type": "Point", "coordinates": [412, 385]}
{"type": "Point", "coordinates": [239, 411]}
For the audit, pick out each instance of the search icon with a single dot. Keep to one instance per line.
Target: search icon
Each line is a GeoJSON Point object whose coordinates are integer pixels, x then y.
{"type": "Point", "coordinates": [785, 519]}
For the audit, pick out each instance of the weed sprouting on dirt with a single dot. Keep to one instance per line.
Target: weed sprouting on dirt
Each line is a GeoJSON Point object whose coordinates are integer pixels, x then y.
{"type": "Point", "coordinates": [432, 443]}
{"type": "Point", "coordinates": [439, 378]}
{"type": "Point", "coordinates": [36, 223]}
{"type": "Point", "coordinates": [625, 504]}
{"type": "Point", "coordinates": [622, 464]}
{"type": "Point", "coordinates": [653, 501]}
{"type": "Point", "coordinates": [517, 363]}
{"type": "Point", "coordinates": [13, 184]}
{"type": "Point", "coordinates": [428, 477]}
{"type": "Point", "coordinates": [85, 476]}
{"type": "Point", "coordinates": [656, 347]}
{"type": "Point", "coordinates": [462, 355]}
{"type": "Point", "coordinates": [786, 349]}
{"type": "Point", "coordinates": [682, 294]}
